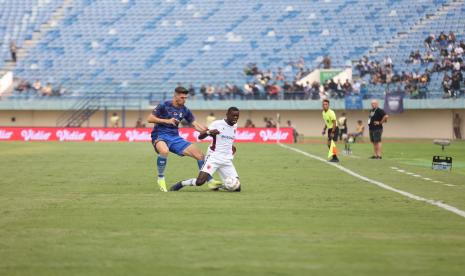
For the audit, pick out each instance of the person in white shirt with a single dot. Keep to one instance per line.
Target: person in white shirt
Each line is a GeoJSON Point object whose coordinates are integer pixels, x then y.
{"type": "Point", "coordinates": [220, 153]}
{"type": "Point", "coordinates": [458, 50]}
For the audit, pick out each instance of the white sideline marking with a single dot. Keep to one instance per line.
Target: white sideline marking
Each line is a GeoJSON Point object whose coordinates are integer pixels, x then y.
{"type": "Point", "coordinates": [439, 204]}
{"type": "Point", "coordinates": [424, 178]}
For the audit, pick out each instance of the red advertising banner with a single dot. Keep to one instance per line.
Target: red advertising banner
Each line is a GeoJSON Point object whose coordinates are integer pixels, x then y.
{"type": "Point", "coordinates": [254, 135]}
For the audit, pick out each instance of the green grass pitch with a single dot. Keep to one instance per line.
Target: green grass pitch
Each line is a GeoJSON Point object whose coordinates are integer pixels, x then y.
{"type": "Point", "coordinates": [95, 209]}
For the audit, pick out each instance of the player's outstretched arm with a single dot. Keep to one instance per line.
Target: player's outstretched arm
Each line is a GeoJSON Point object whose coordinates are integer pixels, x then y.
{"type": "Point", "coordinates": [200, 128]}
{"type": "Point", "coordinates": [208, 132]}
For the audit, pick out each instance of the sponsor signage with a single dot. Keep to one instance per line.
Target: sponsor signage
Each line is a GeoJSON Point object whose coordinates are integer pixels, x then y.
{"type": "Point", "coordinates": [253, 135]}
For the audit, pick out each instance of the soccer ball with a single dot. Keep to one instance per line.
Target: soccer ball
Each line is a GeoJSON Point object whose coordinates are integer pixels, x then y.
{"type": "Point", "coordinates": [231, 184]}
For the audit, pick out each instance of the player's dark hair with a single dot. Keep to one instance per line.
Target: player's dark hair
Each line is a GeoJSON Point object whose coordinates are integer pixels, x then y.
{"type": "Point", "coordinates": [325, 100]}
{"type": "Point", "coordinates": [233, 108]}
{"type": "Point", "coordinates": [181, 90]}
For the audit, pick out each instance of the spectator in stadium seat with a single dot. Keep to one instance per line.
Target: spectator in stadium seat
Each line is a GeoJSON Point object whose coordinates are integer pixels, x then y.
{"type": "Point", "coordinates": [315, 91]}
{"type": "Point", "coordinates": [340, 92]}
{"type": "Point", "coordinates": [13, 50]}
{"type": "Point", "coordinates": [332, 87]}
{"type": "Point", "coordinates": [255, 91]}
{"type": "Point", "coordinates": [273, 91]}
{"type": "Point", "coordinates": [455, 83]}
{"type": "Point", "coordinates": [287, 90]}
{"type": "Point", "coordinates": [458, 50]}
{"type": "Point", "coordinates": [37, 85]}
{"type": "Point", "coordinates": [451, 37]}
{"type": "Point", "coordinates": [248, 93]}
{"type": "Point", "coordinates": [429, 42]}
{"type": "Point", "coordinates": [437, 66]}
{"type": "Point", "coordinates": [192, 92]}
{"type": "Point", "coordinates": [326, 62]}
{"type": "Point", "coordinates": [114, 120]}
{"type": "Point", "coordinates": [307, 90]}
{"type": "Point", "coordinates": [414, 92]}
{"type": "Point", "coordinates": [347, 87]}
{"type": "Point", "coordinates": [58, 90]}
{"type": "Point", "coordinates": [220, 92]}
{"type": "Point", "coordinates": [23, 86]}
{"type": "Point", "coordinates": [280, 75]}
{"type": "Point", "coordinates": [387, 62]}
{"type": "Point", "coordinates": [238, 93]}
{"type": "Point", "coordinates": [203, 91]}
{"type": "Point", "coordinates": [428, 57]}
{"type": "Point", "coordinates": [210, 92]}
{"type": "Point", "coordinates": [444, 52]}
{"type": "Point", "coordinates": [462, 45]}
{"type": "Point", "coordinates": [300, 74]}
{"type": "Point", "coordinates": [442, 39]}
{"type": "Point", "coordinates": [46, 90]}
{"type": "Point", "coordinates": [268, 75]}
{"type": "Point", "coordinates": [228, 91]}
{"type": "Point", "coordinates": [457, 124]}
{"type": "Point", "coordinates": [446, 86]}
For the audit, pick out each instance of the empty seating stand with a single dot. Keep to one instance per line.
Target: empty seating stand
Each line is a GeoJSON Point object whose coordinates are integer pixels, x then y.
{"type": "Point", "coordinates": [149, 46]}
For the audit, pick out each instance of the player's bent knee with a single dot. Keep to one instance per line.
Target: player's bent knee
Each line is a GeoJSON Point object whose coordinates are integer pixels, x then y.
{"type": "Point", "coordinates": [200, 156]}
{"type": "Point", "coordinates": [163, 152]}
{"type": "Point", "coordinates": [162, 149]}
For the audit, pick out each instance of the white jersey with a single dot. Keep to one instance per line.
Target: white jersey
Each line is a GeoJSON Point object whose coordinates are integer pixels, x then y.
{"type": "Point", "coordinates": [221, 146]}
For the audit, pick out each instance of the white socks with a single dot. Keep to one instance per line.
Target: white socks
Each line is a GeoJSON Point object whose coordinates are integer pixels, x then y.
{"type": "Point", "coordinates": [189, 182]}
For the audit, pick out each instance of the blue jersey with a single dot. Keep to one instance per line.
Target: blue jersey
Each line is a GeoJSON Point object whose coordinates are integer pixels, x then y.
{"type": "Point", "coordinates": [166, 110]}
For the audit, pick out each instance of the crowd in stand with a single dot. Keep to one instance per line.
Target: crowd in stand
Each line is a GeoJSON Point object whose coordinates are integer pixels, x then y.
{"type": "Point", "coordinates": [23, 87]}
{"type": "Point", "coordinates": [268, 85]}
{"type": "Point", "coordinates": [442, 54]}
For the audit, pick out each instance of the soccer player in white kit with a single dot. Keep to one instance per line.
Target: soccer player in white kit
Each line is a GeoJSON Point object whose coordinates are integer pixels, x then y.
{"type": "Point", "coordinates": [220, 153]}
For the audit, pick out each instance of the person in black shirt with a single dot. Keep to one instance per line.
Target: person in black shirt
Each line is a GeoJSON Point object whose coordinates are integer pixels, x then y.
{"type": "Point", "coordinates": [376, 119]}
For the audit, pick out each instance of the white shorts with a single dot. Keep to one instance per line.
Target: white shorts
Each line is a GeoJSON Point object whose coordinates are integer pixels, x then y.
{"type": "Point", "coordinates": [225, 168]}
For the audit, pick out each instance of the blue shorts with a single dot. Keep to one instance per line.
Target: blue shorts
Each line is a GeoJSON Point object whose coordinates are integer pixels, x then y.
{"type": "Point", "coordinates": [175, 143]}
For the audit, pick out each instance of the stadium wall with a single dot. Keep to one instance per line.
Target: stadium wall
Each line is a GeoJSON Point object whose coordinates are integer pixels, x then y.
{"type": "Point", "coordinates": [434, 123]}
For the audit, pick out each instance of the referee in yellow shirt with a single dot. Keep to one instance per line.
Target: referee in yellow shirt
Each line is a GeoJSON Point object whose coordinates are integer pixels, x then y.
{"type": "Point", "coordinates": [331, 125]}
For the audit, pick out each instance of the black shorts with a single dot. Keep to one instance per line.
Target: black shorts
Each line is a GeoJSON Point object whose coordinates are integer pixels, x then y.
{"type": "Point", "coordinates": [336, 134]}
{"type": "Point", "coordinates": [375, 135]}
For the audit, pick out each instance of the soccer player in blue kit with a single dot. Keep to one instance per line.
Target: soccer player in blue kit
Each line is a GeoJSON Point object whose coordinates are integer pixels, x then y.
{"type": "Point", "coordinates": [165, 135]}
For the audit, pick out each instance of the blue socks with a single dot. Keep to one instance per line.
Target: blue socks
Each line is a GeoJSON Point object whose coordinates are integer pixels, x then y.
{"type": "Point", "coordinates": [200, 164]}
{"type": "Point", "coordinates": [161, 165]}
